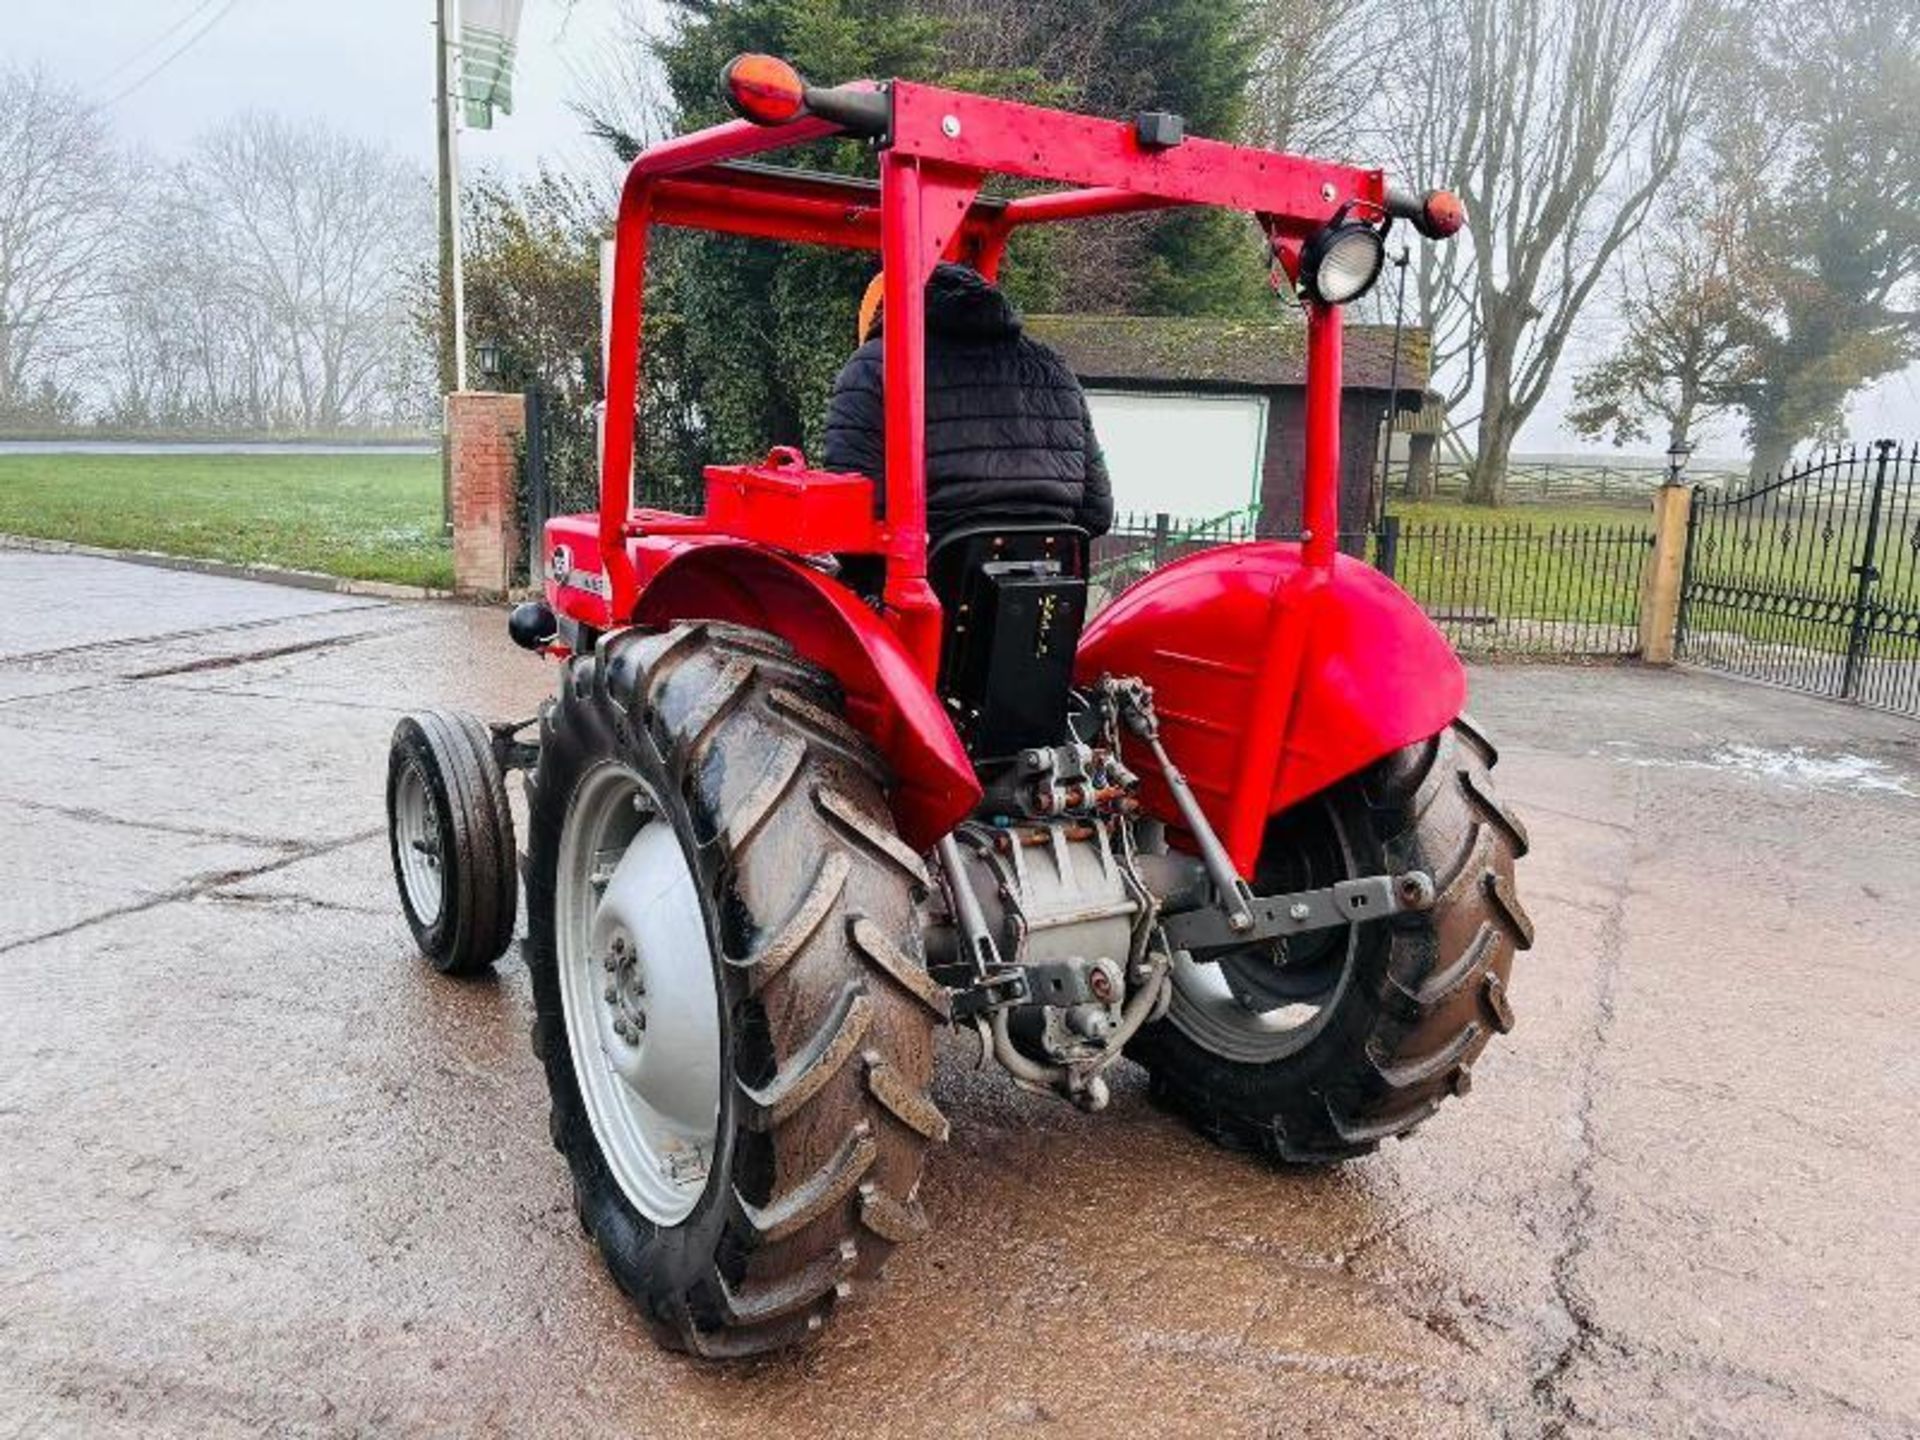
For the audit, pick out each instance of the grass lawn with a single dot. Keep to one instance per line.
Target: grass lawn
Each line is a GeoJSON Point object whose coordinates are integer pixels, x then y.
{"type": "Point", "coordinates": [365, 517]}
{"type": "Point", "coordinates": [1479, 572]}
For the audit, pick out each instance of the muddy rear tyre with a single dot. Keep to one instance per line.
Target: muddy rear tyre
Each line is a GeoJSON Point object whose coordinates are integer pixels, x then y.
{"type": "Point", "coordinates": [811, 910]}
{"type": "Point", "coordinates": [1410, 1003]}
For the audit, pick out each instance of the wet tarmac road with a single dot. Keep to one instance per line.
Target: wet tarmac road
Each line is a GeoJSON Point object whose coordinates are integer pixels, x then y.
{"type": "Point", "coordinates": [259, 1170]}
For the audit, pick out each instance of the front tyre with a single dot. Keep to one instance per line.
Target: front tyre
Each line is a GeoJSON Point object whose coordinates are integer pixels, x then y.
{"type": "Point", "coordinates": [731, 999]}
{"type": "Point", "coordinates": [1319, 1050]}
{"type": "Point", "coordinates": [450, 837]}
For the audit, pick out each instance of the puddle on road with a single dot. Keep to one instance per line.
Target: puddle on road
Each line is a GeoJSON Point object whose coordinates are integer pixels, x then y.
{"type": "Point", "coordinates": [1793, 766]}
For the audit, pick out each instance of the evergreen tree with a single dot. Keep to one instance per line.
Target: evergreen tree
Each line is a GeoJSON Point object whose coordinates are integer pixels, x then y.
{"type": "Point", "coordinates": [1191, 57]}
{"type": "Point", "coordinates": [1818, 133]}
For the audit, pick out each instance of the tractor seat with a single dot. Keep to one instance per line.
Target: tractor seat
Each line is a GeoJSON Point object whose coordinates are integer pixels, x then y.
{"type": "Point", "coordinates": [1015, 598]}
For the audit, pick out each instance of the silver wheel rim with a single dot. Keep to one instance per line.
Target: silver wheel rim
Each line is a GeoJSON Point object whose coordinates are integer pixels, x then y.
{"type": "Point", "coordinates": [1206, 1009]}
{"type": "Point", "coordinates": [638, 993]}
{"type": "Point", "coordinates": [416, 825]}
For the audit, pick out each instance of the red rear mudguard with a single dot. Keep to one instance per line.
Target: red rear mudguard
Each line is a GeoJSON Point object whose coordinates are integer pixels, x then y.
{"type": "Point", "coordinates": [1273, 679]}
{"type": "Point", "coordinates": [684, 577]}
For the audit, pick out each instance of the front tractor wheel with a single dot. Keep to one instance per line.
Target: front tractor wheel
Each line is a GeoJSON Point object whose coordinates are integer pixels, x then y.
{"type": "Point", "coordinates": [1316, 1049]}
{"type": "Point", "coordinates": [731, 1001]}
{"type": "Point", "coordinates": [450, 837]}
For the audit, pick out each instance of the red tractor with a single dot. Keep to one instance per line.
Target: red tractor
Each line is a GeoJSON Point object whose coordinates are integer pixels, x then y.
{"type": "Point", "coordinates": [1236, 828]}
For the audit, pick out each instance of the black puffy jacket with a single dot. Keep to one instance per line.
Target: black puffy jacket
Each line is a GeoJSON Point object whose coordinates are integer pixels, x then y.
{"type": "Point", "coordinates": [1008, 433]}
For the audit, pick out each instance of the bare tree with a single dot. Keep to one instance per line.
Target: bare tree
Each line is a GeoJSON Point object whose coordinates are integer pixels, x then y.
{"type": "Point", "coordinates": [61, 184]}
{"type": "Point", "coordinates": [1692, 307]}
{"type": "Point", "coordinates": [271, 289]}
{"type": "Point", "coordinates": [620, 95]}
{"type": "Point", "coordinates": [316, 228]}
{"type": "Point", "coordinates": [1558, 121]}
{"type": "Point", "coordinates": [1313, 84]}
{"type": "Point", "coordinates": [190, 349]}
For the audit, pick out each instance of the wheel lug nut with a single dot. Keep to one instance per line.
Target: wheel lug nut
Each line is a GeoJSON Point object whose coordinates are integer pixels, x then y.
{"type": "Point", "coordinates": [608, 997]}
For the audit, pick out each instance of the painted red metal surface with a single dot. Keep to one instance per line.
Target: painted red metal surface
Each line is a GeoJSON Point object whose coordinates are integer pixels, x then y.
{"type": "Point", "coordinates": [887, 700]}
{"type": "Point", "coordinates": [1320, 476]}
{"type": "Point", "coordinates": [785, 504]}
{"type": "Point", "coordinates": [922, 208]}
{"type": "Point", "coordinates": [1280, 668]}
{"type": "Point", "coordinates": [737, 140]}
{"type": "Point", "coordinates": [942, 145]}
{"type": "Point", "coordinates": [704, 205]}
{"type": "Point", "coordinates": [1005, 137]}
{"type": "Point", "coordinates": [699, 576]}
{"type": "Point", "coordinates": [1273, 677]}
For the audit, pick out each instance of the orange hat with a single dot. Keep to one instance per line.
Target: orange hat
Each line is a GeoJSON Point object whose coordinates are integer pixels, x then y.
{"type": "Point", "coordinates": [870, 305]}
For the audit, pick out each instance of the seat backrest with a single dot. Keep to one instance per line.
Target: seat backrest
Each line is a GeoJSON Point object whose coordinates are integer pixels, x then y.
{"type": "Point", "coordinates": [1015, 598]}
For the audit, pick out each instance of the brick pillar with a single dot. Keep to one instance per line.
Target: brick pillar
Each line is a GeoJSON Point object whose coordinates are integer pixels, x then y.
{"type": "Point", "coordinates": [482, 431]}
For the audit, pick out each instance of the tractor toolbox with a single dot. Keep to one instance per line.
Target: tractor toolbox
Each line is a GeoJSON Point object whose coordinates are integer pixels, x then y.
{"type": "Point", "coordinates": [782, 502]}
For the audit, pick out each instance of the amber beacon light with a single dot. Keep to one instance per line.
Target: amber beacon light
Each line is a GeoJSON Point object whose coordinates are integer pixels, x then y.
{"type": "Point", "coordinates": [764, 89]}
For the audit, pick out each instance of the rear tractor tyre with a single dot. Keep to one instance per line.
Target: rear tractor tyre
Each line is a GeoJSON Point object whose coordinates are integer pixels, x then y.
{"type": "Point", "coordinates": [1363, 1032]}
{"type": "Point", "coordinates": [732, 1004]}
{"type": "Point", "coordinates": [450, 836]}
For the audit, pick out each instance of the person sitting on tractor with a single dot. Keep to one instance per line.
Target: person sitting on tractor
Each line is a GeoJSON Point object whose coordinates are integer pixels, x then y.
{"type": "Point", "coordinates": [1009, 436]}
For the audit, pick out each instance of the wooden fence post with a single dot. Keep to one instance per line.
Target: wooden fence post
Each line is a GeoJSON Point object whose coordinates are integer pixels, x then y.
{"type": "Point", "coordinates": [1660, 592]}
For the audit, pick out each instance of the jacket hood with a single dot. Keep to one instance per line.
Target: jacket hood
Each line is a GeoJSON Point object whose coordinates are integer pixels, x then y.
{"type": "Point", "coordinates": [961, 303]}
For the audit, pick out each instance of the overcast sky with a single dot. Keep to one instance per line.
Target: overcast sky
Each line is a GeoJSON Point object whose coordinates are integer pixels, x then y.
{"type": "Point", "coordinates": [172, 67]}
{"type": "Point", "coordinates": [365, 66]}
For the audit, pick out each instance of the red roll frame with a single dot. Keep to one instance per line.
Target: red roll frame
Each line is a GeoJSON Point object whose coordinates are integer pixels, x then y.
{"type": "Point", "coordinates": [1347, 668]}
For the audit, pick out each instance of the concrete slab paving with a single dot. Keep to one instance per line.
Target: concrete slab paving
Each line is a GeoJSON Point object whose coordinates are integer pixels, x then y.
{"type": "Point", "coordinates": [67, 603]}
{"type": "Point", "coordinates": [463, 652]}
{"type": "Point", "coordinates": [82, 865]}
{"type": "Point", "coordinates": [263, 1172]}
{"type": "Point", "coordinates": [164, 755]}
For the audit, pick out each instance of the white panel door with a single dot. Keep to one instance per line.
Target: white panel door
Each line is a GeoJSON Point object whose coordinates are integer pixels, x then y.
{"type": "Point", "coordinates": [1192, 456]}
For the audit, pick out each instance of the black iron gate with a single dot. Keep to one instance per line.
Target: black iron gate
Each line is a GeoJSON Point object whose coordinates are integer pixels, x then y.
{"type": "Point", "coordinates": [559, 466]}
{"type": "Point", "coordinates": [1813, 580]}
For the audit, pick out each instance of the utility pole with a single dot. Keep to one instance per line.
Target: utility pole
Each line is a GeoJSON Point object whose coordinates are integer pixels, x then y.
{"type": "Point", "coordinates": [453, 303]}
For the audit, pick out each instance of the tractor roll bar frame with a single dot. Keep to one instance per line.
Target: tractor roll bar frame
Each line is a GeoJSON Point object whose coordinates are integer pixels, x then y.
{"type": "Point", "coordinates": [938, 149]}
